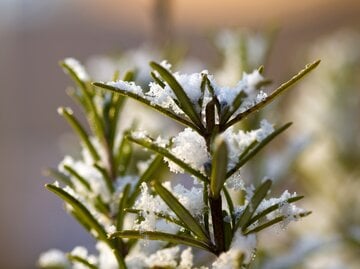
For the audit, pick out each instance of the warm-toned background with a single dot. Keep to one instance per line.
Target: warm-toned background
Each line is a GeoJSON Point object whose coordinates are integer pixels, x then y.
{"type": "Point", "coordinates": [35, 34]}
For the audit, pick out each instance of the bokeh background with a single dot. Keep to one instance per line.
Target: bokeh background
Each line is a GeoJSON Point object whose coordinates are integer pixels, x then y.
{"type": "Point", "coordinates": [36, 34]}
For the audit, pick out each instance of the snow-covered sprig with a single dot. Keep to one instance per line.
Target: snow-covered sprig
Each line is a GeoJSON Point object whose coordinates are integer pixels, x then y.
{"type": "Point", "coordinates": [210, 151]}
{"type": "Point", "coordinates": [197, 101]}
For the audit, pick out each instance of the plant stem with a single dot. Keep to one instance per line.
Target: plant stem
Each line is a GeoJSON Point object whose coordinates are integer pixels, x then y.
{"type": "Point", "coordinates": [218, 225]}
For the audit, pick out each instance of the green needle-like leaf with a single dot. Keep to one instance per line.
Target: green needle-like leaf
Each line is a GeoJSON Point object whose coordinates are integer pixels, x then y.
{"type": "Point", "coordinates": [157, 79]}
{"type": "Point", "coordinates": [254, 148]}
{"type": "Point", "coordinates": [122, 205]}
{"type": "Point", "coordinates": [81, 211]}
{"type": "Point", "coordinates": [148, 103]}
{"type": "Point", "coordinates": [58, 176]}
{"type": "Point", "coordinates": [273, 208]}
{"type": "Point", "coordinates": [255, 201]}
{"type": "Point", "coordinates": [274, 221]}
{"type": "Point", "coordinates": [171, 238]}
{"type": "Point", "coordinates": [86, 100]}
{"type": "Point", "coordinates": [282, 88]}
{"type": "Point", "coordinates": [146, 143]}
{"type": "Point", "coordinates": [67, 113]}
{"type": "Point", "coordinates": [181, 212]}
{"type": "Point", "coordinates": [76, 175]}
{"type": "Point", "coordinates": [106, 177]}
{"type": "Point", "coordinates": [210, 116]}
{"type": "Point", "coordinates": [235, 105]}
{"type": "Point", "coordinates": [219, 168]}
{"type": "Point", "coordinates": [186, 105]}
{"type": "Point", "coordinates": [123, 157]}
{"type": "Point", "coordinates": [73, 74]}
{"type": "Point", "coordinates": [230, 205]}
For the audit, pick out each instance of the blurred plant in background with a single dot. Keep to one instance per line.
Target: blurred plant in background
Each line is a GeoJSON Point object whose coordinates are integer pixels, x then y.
{"type": "Point", "coordinates": [329, 168]}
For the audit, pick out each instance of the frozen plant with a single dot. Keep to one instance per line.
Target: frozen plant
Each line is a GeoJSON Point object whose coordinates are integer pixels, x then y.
{"type": "Point", "coordinates": [211, 151]}
{"type": "Point", "coordinates": [104, 192]}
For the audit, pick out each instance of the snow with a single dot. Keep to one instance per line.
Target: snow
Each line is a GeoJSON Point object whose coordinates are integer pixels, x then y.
{"type": "Point", "coordinates": [189, 147]}
{"type": "Point", "coordinates": [238, 141]}
{"type": "Point", "coordinates": [164, 258]}
{"type": "Point", "coordinates": [53, 258]}
{"type": "Point", "coordinates": [127, 87]}
{"type": "Point", "coordinates": [241, 245]}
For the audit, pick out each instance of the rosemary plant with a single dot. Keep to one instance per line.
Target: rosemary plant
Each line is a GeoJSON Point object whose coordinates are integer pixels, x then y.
{"type": "Point", "coordinates": [210, 150]}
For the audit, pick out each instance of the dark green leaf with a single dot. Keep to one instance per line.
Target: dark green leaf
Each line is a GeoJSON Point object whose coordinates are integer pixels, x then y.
{"type": "Point", "coordinates": [105, 177]}
{"type": "Point", "coordinates": [122, 205]}
{"type": "Point", "coordinates": [234, 106]}
{"type": "Point", "coordinates": [230, 205]}
{"type": "Point", "coordinates": [210, 116]}
{"type": "Point", "coordinates": [282, 88]}
{"type": "Point", "coordinates": [181, 212]}
{"type": "Point", "coordinates": [75, 124]}
{"type": "Point", "coordinates": [81, 211]}
{"type": "Point", "coordinates": [157, 79]}
{"type": "Point", "coordinates": [219, 167]}
{"type": "Point", "coordinates": [212, 92]}
{"type": "Point", "coordinates": [185, 103]}
{"type": "Point", "coordinates": [123, 157]}
{"type": "Point", "coordinates": [272, 222]}
{"type": "Point", "coordinates": [172, 238]}
{"type": "Point", "coordinates": [87, 101]}
{"type": "Point", "coordinates": [273, 208]}
{"type": "Point", "coordinates": [255, 201]}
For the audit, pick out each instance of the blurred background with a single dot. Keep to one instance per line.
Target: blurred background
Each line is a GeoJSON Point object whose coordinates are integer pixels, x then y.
{"type": "Point", "coordinates": [36, 34]}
